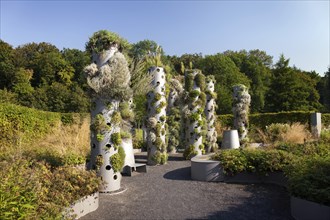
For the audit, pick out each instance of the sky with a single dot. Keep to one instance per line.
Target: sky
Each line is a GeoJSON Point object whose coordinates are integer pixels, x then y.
{"type": "Point", "coordinates": [297, 29]}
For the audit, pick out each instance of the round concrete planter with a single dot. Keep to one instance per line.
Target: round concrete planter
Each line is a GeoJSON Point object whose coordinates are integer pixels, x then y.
{"type": "Point", "coordinates": [83, 206]}
{"type": "Point", "coordinates": [230, 140]}
{"type": "Point", "coordinates": [306, 210]}
{"type": "Point", "coordinates": [205, 169]}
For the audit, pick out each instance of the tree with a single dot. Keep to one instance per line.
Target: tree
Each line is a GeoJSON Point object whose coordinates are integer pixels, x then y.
{"type": "Point", "coordinates": [291, 89]}
{"type": "Point", "coordinates": [255, 64]}
{"type": "Point", "coordinates": [47, 64]}
{"type": "Point", "coordinates": [227, 75]}
{"type": "Point", "coordinates": [145, 47]}
{"type": "Point", "coordinates": [78, 60]}
{"type": "Point", "coordinates": [323, 88]}
{"type": "Point", "coordinates": [7, 67]}
{"type": "Point", "coordinates": [22, 87]}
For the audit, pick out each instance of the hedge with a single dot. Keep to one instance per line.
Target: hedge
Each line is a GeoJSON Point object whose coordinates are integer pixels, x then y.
{"type": "Point", "coordinates": [261, 120]}
{"type": "Point", "coordinates": [20, 124]}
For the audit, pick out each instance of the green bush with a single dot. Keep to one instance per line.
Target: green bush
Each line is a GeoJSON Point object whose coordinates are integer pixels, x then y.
{"type": "Point", "coordinates": [264, 119]}
{"type": "Point", "coordinates": [309, 179]}
{"type": "Point", "coordinates": [325, 118]}
{"type": "Point", "coordinates": [32, 190]}
{"type": "Point", "coordinates": [117, 160]}
{"type": "Point", "coordinates": [189, 152]}
{"type": "Point", "coordinates": [116, 139]}
{"type": "Point", "coordinates": [253, 160]}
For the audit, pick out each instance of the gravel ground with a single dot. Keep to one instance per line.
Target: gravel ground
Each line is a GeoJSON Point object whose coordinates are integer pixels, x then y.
{"type": "Point", "coordinates": [167, 192]}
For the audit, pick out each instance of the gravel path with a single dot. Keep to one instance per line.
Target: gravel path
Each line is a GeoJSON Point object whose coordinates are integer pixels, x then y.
{"type": "Point", "coordinates": [167, 192]}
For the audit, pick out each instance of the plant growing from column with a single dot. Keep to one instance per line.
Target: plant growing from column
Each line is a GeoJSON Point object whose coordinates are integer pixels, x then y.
{"type": "Point", "coordinates": [156, 112]}
{"type": "Point", "coordinates": [210, 107]}
{"type": "Point", "coordinates": [109, 78]}
{"type": "Point", "coordinates": [193, 113]}
{"type": "Point", "coordinates": [174, 119]}
{"type": "Point", "coordinates": [241, 105]}
{"type": "Point", "coordinates": [156, 129]}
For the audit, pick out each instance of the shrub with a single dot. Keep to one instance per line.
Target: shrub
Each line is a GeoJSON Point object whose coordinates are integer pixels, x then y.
{"type": "Point", "coordinates": [117, 160]}
{"type": "Point", "coordinates": [253, 160]}
{"type": "Point", "coordinates": [325, 118]}
{"type": "Point", "coordinates": [189, 152]}
{"type": "Point", "coordinates": [309, 179]}
{"type": "Point", "coordinates": [116, 118]}
{"type": "Point", "coordinates": [282, 133]}
{"type": "Point", "coordinates": [200, 80]}
{"type": "Point", "coordinates": [116, 138]}
{"type": "Point", "coordinates": [325, 136]}
{"type": "Point", "coordinates": [32, 190]}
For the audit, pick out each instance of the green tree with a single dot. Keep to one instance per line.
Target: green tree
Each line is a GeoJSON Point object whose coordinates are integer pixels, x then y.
{"type": "Point", "coordinates": [78, 60]}
{"type": "Point", "coordinates": [323, 88]}
{"type": "Point", "coordinates": [22, 87]}
{"type": "Point", "coordinates": [7, 66]}
{"type": "Point", "coordinates": [47, 64]}
{"type": "Point", "coordinates": [291, 89]}
{"type": "Point", "coordinates": [255, 64]}
{"type": "Point", "coordinates": [227, 75]}
{"type": "Point", "coordinates": [145, 47]}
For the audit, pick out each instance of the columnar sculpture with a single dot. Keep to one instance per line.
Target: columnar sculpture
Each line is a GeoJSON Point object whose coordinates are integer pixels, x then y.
{"type": "Point", "coordinates": [156, 121]}
{"type": "Point", "coordinates": [109, 79]}
{"type": "Point", "coordinates": [193, 113]}
{"type": "Point", "coordinates": [210, 107]}
{"type": "Point", "coordinates": [241, 105]}
{"type": "Point", "coordinates": [173, 111]}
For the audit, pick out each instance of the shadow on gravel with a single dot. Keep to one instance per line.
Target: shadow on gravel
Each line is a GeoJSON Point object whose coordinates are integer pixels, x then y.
{"type": "Point", "coordinates": [179, 174]}
{"type": "Point", "coordinates": [266, 202]}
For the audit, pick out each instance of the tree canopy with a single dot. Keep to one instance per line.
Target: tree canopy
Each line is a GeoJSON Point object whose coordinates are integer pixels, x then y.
{"type": "Point", "coordinates": [39, 75]}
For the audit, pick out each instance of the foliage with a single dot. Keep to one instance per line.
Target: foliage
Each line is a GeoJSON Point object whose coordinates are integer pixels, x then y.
{"type": "Point", "coordinates": [116, 139]}
{"type": "Point", "coordinates": [189, 152]}
{"type": "Point", "coordinates": [31, 190]}
{"type": "Point", "coordinates": [261, 120]}
{"type": "Point", "coordinates": [291, 89]}
{"type": "Point", "coordinates": [99, 137]}
{"type": "Point", "coordinates": [138, 142]}
{"type": "Point", "coordinates": [189, 81]}
{"type": "Point", "coordinates": [294, 133]}
{"type": "Point", "coordinates": [200, 81]}
{"type": "Point", "coordinates": [22, 124]}
{"type": "Point", "coordinates": [125, 111]}
{"type": "Point", "coordinates": [160, 158]}
{"type": "Point", "coordinates": [255, 64]}
{"type": "Point", "coordinates": [117, 160]}
{"type": "Point", "coordinates": [103, 40]}
{"type": "Point", "coordinates": [227, 75]}
{"type": "Point", "coordinates": [116, 118]}
{"type": "Point", "coordinates": [99, 124]}
{"type": "Point", "coordinates": [306, 166]}
{"type": "Point", "coordinates": [145, 48]}
{"type": "Point", "coordinates": [252, 160]}
{"type": "Point", "coordinates": [309, 179]}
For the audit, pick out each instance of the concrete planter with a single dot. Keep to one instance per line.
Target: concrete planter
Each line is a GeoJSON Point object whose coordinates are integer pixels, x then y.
{"type": "Point", "coordinates": [230, 140]}
{"type": "Point", "coordinates": [205, 169]}
{"type": "Point", "coordinates": [83, 206]}
{"type": "Point", "coordinates": [306, 210]}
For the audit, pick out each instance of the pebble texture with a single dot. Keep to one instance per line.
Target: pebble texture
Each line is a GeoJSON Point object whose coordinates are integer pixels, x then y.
{"type": "Point", "coordinates": [167, 192]}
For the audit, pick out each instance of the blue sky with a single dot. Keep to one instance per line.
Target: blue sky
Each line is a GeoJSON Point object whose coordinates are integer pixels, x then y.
{"type": "Point", "coordinates": [298, 29]}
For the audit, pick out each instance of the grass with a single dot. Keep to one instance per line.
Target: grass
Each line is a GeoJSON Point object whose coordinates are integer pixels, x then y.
{"type": "Point", "coordinates": [294, 133]}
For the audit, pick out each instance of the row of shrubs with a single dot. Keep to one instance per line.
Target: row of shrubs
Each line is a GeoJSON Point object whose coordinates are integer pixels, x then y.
{"type": "Point", "coordinates": [307, 166]}
{"type": "Point", "coordinates": [37, 182]}
{"type": "Point", "coordinates": [261, 120]}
